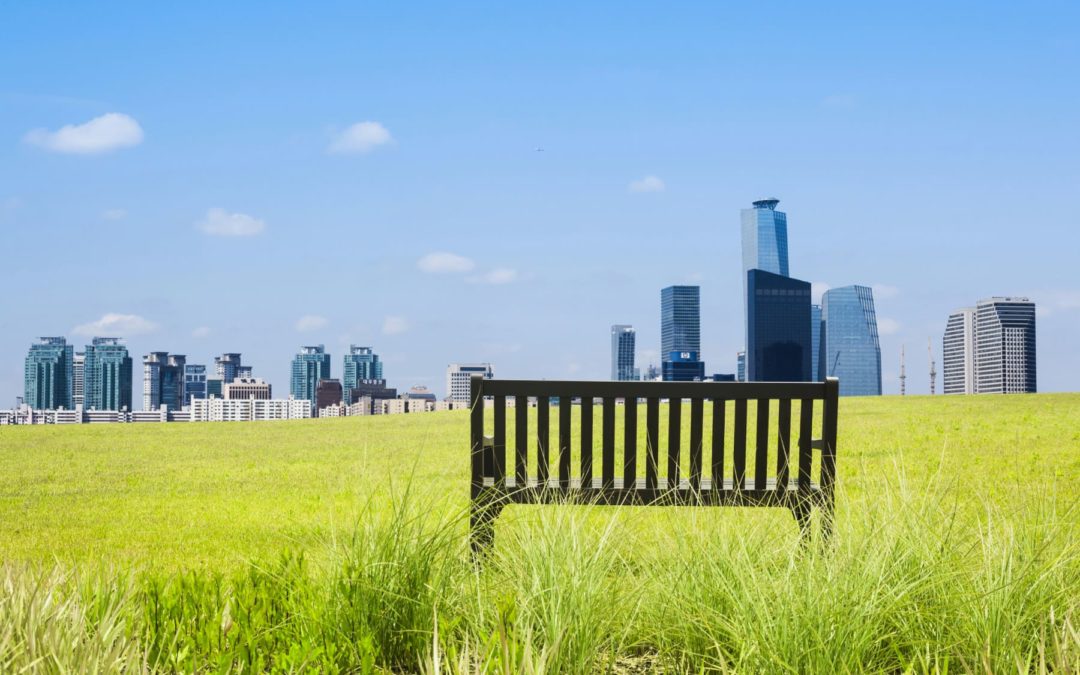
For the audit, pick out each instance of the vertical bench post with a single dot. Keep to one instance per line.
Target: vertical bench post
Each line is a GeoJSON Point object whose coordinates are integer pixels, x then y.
{"type": "Point", "coordinates": [482, 508]}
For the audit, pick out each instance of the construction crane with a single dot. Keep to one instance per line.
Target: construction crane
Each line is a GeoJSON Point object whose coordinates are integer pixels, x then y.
{"type": "Point", "coordinates": [933, 370]}
{"type": "Point", "coordinates": [903, 376]}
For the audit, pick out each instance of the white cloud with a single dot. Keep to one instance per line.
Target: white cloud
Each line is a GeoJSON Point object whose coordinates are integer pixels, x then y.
{"type": "Point", "coordinates": [885, 291]}
{"type": "Point", "coordinates": [310, 322]}
{"type": "Point", "coordinates": [444, 263]}
{"type": "Point", "coordinates": [497, 276]}
{"type": "Point", "coordinates": [646, 184]}
{"type": "Point", "coordinates": [220, 222]}
{"type": "Point", "coordinates": [116, 325]}
{"type": "Point", "coordinates": [360, 138]}
{"type": "Point", "coordinates": [395, 325]}
{"type": "Point", "coordinates": [887, 326]}
{"type": "Point", "coordinates": [101, 134]}
{"type": "Point", "coordinates": [201, 332]}
{"type": "Point", "coordinates": [113, 214]}
{"type": "Point", "coordinates": [817, 289]}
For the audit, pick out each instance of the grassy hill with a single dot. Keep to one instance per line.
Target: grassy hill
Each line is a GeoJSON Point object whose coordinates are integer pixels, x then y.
{"type": "Point", "coordinates": [957, 543]}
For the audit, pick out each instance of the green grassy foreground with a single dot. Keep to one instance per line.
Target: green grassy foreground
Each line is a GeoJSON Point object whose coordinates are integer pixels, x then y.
{"type": "Point", "coordinates": [338, 545]}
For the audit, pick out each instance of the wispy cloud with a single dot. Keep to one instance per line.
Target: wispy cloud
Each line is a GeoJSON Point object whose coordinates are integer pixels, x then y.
{"type": "Point", "coordinates": [360, 138]}
{"type": "Point", "coordinates": [885, 291]}
{"type": "Point", "coordinates": [496, 277]}
{"type": "Point", "coordinates": [887, 326]}
{"type": "Point", "coordinates": [395, 325]}
{"type": "Point", "coordinates": [113, 214]}
{"type": "Point", "coordinates": [646, 184]}
{"type": "Point", "coordinates": [116, 325]}
{"type": "Point", "coordinates": [442, 262]}
{"type": "Point", "coordinates": [221, 223]}
{"type": "Point", "coordinates": [111, 131]}
{"type": "Point", "coordinates": [201, 332]}
{"type": "Point", "coordinates": [310, 322]}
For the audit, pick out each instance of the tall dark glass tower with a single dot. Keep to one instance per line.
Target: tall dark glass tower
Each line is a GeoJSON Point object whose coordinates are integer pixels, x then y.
{"type": "Point", "coordinates": [680, 332]}
{"type": "Point", "coordinates": [779, 346]}
{"type": "Point", "coordinates": [852, 351]}
{"type": "Point", "coordinates": [48, 382]}
{"type": "Point", "coordinates": [107, 375]}
{"type": "Point", "coordinates": [310, 365]}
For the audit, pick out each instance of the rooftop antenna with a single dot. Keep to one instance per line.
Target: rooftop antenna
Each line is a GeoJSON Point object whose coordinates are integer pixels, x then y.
{"type": "Point", "coordinates": [933, 370]}
{"type": "Point", "coordinates": [903, 376]}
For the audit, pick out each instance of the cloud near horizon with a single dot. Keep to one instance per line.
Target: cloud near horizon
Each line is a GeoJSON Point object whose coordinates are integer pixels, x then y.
{"type": "Point", "coordinates": [108, 132]}
{"type": "Point", "coordinates": [395, 325]}
{"type": "Point", "coordinates": [496, 277]}
{"type": "Point", "coordinates": [647, 184]}
{"type": "Point", "coordinates": [310, 322]}
{"type": "Point", "coordinates": [221, 223]}
{"type": "Point", "coordinates": [443, 262]}
{"type": "Point", "coordinates": [116, 325]}
{"type": "Point", "coordinates": [360, 138]}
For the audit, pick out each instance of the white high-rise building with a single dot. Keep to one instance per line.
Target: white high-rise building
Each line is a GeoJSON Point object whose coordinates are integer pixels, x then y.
{"type": "Point", "coordinates": [958, 353]}
{"type": "Point", "coordinates": [78, 387]}
{"type": "Point", "coordinates": [1005, 346]}
{"type": "Point", "coordinates": [459, 376]}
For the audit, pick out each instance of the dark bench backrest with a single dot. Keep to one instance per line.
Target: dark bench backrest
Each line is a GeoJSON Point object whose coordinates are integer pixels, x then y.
{"type": "Point", "coordinates": [489, 460]}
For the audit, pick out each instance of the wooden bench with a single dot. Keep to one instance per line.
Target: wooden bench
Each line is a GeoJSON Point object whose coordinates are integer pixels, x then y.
{"type": "Point", "coordinates": [786, 482]}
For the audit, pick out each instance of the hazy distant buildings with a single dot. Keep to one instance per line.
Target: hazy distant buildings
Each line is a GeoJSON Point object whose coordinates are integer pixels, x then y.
{"type": "Point", "coordinates": [958, 353]}
{"type": "Point", "coordinates": [740, 366]}
{"type": "Point", "coordinates": [778, 347]}
{"type": "Point", "coordinates": [248, 410]}
{"type": "Point", "coordinates": [623, 340]}
{"type": "Point", "coordinates": [107, 375]}
{"type": "Point", "coordinates": [78, 386]}
{"type": "Point", "coordinates": [215, 387]}
{"type": "Point", "coordinates": [852, 350]}
{"type": "Point", "coordinates": [311, 364]}
{"type": "Point", "coordinates": [816, 336]}
{"type": "Point", "coordinates": [194, 382]}
{"type": "Point", "coordinates": [680, 333]}
{"type": "Point", "coordinates": [361, 363]}
{"type": "Point", "coordinates": [1005, 346]}
{"type": "Point", "coordinates": [327, 393]}
{"type": "Point", "coordinates": [244, 388]}
{"type": "Point", "coordinates": [48, 380]}
{"type": "Point", "coordinates": [371, 389]}
{"type": "Point", "coordinates": [227, 367]}
{"type": "Point", "coordinates": [163, 381]}
{"type": "Point", "coordinates": [459, 377]}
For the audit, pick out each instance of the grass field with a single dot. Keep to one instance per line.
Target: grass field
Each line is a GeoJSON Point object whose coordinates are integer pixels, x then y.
{"type": "Point", "coordinates": [338, 545]}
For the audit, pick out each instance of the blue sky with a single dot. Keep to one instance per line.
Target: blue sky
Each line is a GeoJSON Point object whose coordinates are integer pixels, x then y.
{"type": "Point", "coordinates": [259, 176]}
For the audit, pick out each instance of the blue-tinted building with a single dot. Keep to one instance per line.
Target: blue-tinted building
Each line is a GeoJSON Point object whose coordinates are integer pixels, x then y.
{"type": "Point", "coordinates": [361, 364]}
{"type": "Point", "coordinates": [680, 327]}
{"type": "Point", "coordinates": [815, 343]}
{"type": "Point", "coordinates": [852, 351]}
{"type": "Point", "coordinates": [194, 382]}
{"type": "Point", "coordinates": [49, 372]}
{"type": "Point", "coordinates": [778, 347]}
{"type": "Point", "coordinates": [764, 238]}
{"type": "Point", "coordinates": [310, 365]}
{"type": "Point", "coordinates": [623, 342]}
{"type": "Point", "coordinates": [163, 381]}
{"type": "Point", "coordinates": [740, 366]}
{"type": "Point", "coordinates": [683, 367]}
{"type": "Point", "coordinates": [107, 375]}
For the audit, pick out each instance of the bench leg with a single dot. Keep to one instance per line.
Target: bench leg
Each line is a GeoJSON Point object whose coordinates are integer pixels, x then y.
{"type": "Point", "coordinates": [482, 515]}
{"type": "Point", "coordinates": [801, 511]}
{"type": "Point", "coordinates": [826, 519]}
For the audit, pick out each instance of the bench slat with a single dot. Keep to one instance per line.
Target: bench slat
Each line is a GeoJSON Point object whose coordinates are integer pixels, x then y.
{"type": "Point", "coordinates": [652, 434]}
{"type": "Point", "coordinates": [586, 441]}
{"type": "Point", "coordinates": [739, 456]}
{"type": "Point", "coordinates": [499, 442]}
{"type": "Point", "coordinates": [828, 433]}
{"type": "Point", "coordinates": [783, 442]}
{"type": "Point", "coordinates": [719, 412]}
{"type": "Point", "coordinates": [476, 436]}
{"type": "Point", "coordinates": [565, 409]}
{"type": "Point", "coordinates": [667, 390]}
{"type": "Point", "coordinates": [543, 411]}
{"type": "Point", "coordinates": [761, 456]}
{"type": "Point", "coordinates": [674, 438]}
{"type": "Point", "coordinates": [696, 424]}
{"type": "Point", "coordinates": [608, 452]}
{"type": "Point", "coordinates": [521, 438]}
{"type": "Point", "coordinates": [806, 433]}
{"type": "Point", "coordinates": [630, 409]}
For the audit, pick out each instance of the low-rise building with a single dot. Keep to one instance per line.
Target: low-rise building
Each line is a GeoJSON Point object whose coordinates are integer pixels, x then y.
{"type": "Point", "coordinates": [244, 388]}
{"type": "Point", "coordinates": [251, 410]}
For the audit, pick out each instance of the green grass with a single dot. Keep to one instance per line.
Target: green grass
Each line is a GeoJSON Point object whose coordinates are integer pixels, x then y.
{"type": "Point", "coordinates": [338, 545]}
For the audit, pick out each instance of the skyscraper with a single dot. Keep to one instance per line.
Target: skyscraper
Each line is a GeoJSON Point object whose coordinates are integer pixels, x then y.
{"type": "Point", "coordinates": [48, 374]}
{"type": "Point", "coordinates": [194, 382]}
{"type": "Point", "coordinates": [107, 375]}
{"type": "Point", "coordinates": [778, 347]}
{"type": "Point", "coordinates": [815, 343]}
{"type": "Point", "coordinates": [764, 238]}
{"type": "Point", "coordinates": [361, 363]}
{"type": "Point", "coordinates": [459, 379]}
{"type": "Point", "coordinates": [740, 366]}
{"type": "Point", "coordinates": [852, 351]}
{"type": "Point", "coordinates": [680, 332]}
{"type": "Point", "coordinates": [623, 340]}
{"type": "Point", "coordinates": [163, 381]}
{"type": "Point", "coordinates": [311, 364]}
{"type": "Point", "coordinates": [958, 353]}
{"type": "Point", "coordinates": [78, 387]}
{"type": "Point", "coordinates": [1005, 346]}
{"type": "Point", "coordinates": [227, 366]}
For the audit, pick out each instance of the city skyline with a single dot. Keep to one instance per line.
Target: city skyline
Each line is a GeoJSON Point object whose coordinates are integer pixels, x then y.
{"type": "Point", "coordinates": [912, 166]}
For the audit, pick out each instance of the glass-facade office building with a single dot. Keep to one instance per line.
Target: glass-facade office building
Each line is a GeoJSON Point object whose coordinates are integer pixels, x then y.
{"type": "Point", "coordinates": [816, 337]}
{"type": "Point", "coordinates": [779, 344]}
{"type": "Point", "coordinates": [852, 351]}
{"type": "Point", "coordinates": [194, 382]}
{"type": "Point", "coordinates": [764, 238]}
{"type": "Point", "coordinates": [680, 327]}
{"type": "Point", "coordinates": [163, 381]}
{"type": "Point", "coordinates": [1005, 346]}
{"type": "Point", "coordinates": [683, 367]}
{"type": "Point", "coordinates": [107, 375]}
{"type": "Point", "coordinates": [361, 364]}
{"type": "Point", "coordinates": [623, 342]}
{"type": "Point", "coordinates": [310, 365]}
{"type": "Point", "coordinates": [49, 374]}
